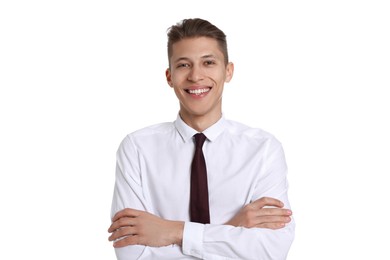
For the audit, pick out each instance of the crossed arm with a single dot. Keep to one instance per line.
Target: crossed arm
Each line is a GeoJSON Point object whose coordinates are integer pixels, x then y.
{"type": "Point", "coordinates": [135, 227]}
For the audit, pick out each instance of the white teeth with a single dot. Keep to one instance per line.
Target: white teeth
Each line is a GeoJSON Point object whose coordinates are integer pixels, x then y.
{"type": "Point", "coordinates": [198, 91]}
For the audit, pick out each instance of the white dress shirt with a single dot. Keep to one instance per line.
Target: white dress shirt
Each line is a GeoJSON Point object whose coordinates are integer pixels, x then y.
{"type": "Point", "coordinates": [243, 164]}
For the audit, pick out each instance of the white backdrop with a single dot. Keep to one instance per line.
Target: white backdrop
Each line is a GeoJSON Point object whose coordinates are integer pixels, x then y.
{"type": "Point", "coordinates": [77, 76]}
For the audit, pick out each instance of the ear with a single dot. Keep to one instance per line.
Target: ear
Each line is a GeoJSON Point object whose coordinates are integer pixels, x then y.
{"type": "Point", "coordinates": [229, 72]}
{"type": "Point", "coordinates": [168, 77]}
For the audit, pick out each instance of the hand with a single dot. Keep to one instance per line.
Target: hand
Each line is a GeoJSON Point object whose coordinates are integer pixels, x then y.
{"type": "Point", "coordinates": [258, 214]}
{"type": "Point", "coordinates": [135, 227]}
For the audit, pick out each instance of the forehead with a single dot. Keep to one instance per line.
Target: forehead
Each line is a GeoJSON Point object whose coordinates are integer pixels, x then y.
{"type": "Point", "coordinates": [196, 47]}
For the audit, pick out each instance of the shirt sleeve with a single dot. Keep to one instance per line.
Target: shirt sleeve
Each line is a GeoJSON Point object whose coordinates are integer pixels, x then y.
{"type": "Point", "coordinates": [128, 191]}
{"type": "Point", "coordinates": [227, 242]}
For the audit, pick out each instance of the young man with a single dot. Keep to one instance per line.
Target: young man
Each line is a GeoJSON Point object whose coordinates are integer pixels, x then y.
{"type": "Point", "coordinates": [244, 213]}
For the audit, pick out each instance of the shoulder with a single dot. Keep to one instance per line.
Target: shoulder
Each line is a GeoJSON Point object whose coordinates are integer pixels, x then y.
{"type": "Point", "coordinates": [156, 129]}
{"type": "Point", "coordinates": [238, 128]}
{"type": "Point", "coordinates": [254, 134]}
{"type": "Point", "coordinates": [151, 132]}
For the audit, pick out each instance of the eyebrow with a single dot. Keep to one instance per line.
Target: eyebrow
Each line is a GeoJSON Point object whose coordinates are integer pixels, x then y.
{"type": "Point", "coordinates": [181, 59]}
{"type": "Point", "coordinates": [207, 56]}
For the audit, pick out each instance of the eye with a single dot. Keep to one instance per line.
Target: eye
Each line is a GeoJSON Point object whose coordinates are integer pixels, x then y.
{"type": "Point", "coordinates": [209, 62]}
{"type": "Point", "coordinates": [183, 65]}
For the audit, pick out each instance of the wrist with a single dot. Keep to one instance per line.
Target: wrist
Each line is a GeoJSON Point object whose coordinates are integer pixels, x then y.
{"type": "Point", "coordinates": [177, 232]}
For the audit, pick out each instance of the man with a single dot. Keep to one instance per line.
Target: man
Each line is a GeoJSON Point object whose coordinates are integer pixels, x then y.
{"type": "Point", "coordinates": [247, 213]}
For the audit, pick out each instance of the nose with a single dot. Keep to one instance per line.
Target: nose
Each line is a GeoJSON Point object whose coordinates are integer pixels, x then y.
{"type": "Point", "coordinates": [195, 74]}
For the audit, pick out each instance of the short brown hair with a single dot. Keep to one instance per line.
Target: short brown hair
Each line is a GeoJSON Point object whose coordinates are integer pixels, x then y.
{"type": "Point", "coordinates": [192, 28]}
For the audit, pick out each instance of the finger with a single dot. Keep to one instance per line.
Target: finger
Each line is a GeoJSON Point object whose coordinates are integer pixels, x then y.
{"type": "Point", "coordinates": [122, 222]}
{"type": "Point", "coordinates": [121, 233]}
{"type": "Point", "coordinates": [130, 240]}
{"type": "Point", "coordinates": [273, 212]}
{"type": "Point", "coordinates": [272, 219]}
{"type": "Point", "coordinates": [125, 213]}
{"type": "Point", "coordinates": [274, 226]}
{"type": "Point", "coordinates": [266, 201]}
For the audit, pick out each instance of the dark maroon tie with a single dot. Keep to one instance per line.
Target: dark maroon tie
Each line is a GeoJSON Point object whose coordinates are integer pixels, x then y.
{"type": "Point", "coordinates": [199, 199]}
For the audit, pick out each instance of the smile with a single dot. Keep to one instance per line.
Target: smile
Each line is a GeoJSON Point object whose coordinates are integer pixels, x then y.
{"type": "Point", "coordinates": [198, 91]}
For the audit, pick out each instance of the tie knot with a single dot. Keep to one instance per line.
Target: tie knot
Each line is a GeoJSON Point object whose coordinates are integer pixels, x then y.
{"type": "Point", "coordinates": [199, 139]}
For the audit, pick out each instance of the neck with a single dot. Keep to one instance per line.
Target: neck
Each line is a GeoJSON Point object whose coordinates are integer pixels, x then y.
{"type": "Point", "coordinates": [200, 123]}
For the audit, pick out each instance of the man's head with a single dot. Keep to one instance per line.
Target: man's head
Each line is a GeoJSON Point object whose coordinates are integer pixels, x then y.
{"type": "Point", "coordinates": [193, 28]}
{"type": "Point", "coordinates": [198, 70]}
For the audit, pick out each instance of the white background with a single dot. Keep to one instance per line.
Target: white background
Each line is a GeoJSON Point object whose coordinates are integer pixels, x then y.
{"type": "Point", "coordinates": [77, 76]}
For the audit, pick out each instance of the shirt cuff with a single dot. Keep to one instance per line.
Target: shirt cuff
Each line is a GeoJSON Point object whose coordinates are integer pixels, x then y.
{"type": "Point", "coordinates": [193, 239]}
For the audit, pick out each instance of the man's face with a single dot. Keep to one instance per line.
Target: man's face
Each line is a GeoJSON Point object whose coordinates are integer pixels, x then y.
{"type": "Point", "coordinates": [197, 73]}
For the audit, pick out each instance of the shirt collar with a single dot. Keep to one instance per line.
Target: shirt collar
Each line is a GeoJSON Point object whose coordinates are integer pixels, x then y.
{"type": "Point", "coordinates": [187, 132]}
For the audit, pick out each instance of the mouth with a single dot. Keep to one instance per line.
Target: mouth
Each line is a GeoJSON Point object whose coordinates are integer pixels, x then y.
{"type": "Point", "coordinates": [198, 91]}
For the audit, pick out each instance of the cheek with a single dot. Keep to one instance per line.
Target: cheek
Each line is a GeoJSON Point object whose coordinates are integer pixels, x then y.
{"type": "Point", "coordinates": [220, 79]}
{"type": "Point", "coordinates": [177, 78]}
{"type": "Point", "coordinates": [178, 91]}
{"type": "Point", "coordinates": [219, 76]}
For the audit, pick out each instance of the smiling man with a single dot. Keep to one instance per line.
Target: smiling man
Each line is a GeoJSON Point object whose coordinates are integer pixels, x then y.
{"type": "Point", "coordinates": [201, 187]}
{"type": "Point", "coordinates": [197, 73]}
